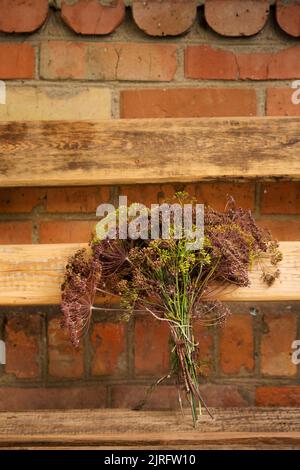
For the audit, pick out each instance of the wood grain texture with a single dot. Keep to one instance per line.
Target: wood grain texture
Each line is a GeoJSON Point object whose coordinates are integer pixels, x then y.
{"type": "Point", "coordinates": [125, 429]}
{"type": "Point", "coordinates": [32, 274]}
{"type": "Point", "coordinates": [147, 150]}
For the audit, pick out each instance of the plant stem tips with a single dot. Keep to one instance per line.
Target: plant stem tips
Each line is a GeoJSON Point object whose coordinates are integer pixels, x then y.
{"type": "Point", "coordinates": [167, 280]}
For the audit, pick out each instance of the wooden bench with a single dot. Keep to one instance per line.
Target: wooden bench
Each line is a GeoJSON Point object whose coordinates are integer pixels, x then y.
{"type": "Point", "coordinates": [143, 151]}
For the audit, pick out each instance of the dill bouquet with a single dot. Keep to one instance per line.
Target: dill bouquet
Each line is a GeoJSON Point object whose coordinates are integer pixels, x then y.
{"type": "Point", "coordinates": [174, 284]}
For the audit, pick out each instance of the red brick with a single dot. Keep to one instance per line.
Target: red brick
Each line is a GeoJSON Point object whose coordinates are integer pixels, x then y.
{"type": "Point", "coordinates": [187, 102]}
{"type": "Point", "coordinates": [147, 193]}
{"type": "Point", "coordinates": [91, 17]}
{"type": "Point", "coordinates": [205, 340]}
{"type": "Point", "coordinates": [284, 64]}
{"type": "Point", "coordinates": [22, 339]}
{"type": "Point", "coordinates": [64, 360]}
{"type": "Point", "coordinates": [109, 349]}
{"type": "Point", "coordinates": [206, 62]}
{"type": "Point", "coordinates": [279, 332]}
{"type": "Point", "coordinates": [82, 199]}
{"type": "Point", "coordinates": [54, 200]}
{"type": "Point", "coordinates": [16, 60]}
{"type": "Point", "coordinates": [288, 16]}
{"type": "Point", "coordinates": [15, 232]}
{"type": "Point", "coordinates": [236, 17]}
{"type": "Point", "coordinates": [278, 396]}
{"type": "Point", "coordinates": [253, 66]}
{"type": "Point", "coordinates": [64, 398]}
{"type": "Point", "coordinates": [18, 200]}
{"type": "Point", "coordinates": [60, 59]}
{"type": "Point", "coordinates": [279, 102]}
{"type": "Point", "coordinates": [283, 230]}
{"type": "Point", "coordinates": [236, 345]}
{"type": "Point", "coordinates": [167, 18]}
{"type": "Point", "coordinates": [163, 397]}
{"type": "Point", "coordinates": [227, 395]}
{"type": "Point", "coordinates": [280, 198]}
{"type": "Point", "coordinates": [22, 16]}
{"type": "Point", "coordinates": [107, 61]}
{"type": "Point", "coordinates": [215, 194]}
{"type": "Point", "coordinates": [151, 346]}
{"type": "Point", "coordinates": [66, 231]}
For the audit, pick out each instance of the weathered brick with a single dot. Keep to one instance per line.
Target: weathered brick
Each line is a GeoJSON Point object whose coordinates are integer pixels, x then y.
{"type": "Point", "coordinates": [92, 17]}
{"type": "Point", "coordinates": [151, 346]}
{"type": "Point", "coordinates": [253, 66]}
{"type": "Point", "coordinates": [205, 356]}
{"type": "Point", "coordinates": [163, 397]}
{"type": "Point", "coordinates": [16, 60]}
{"type": "Point", "coordinates": [14, 232]}
{"type": "Point", "coordinates": [278, 396]}
{"type": "Point", "coordinates": [18, 200]}
{"type": "Point", "coordinates": [215, 194]}
{"type": "Point", "coordinates": [23, 351]}
{"type": "Point", "coordinates": [284, 64]}
{"type": "Point", "coordinates": [22, 16]}
{"type": "Point", "coordinates": [279, 332]}
{"type": "Point", "coordinates": [236, 345]}
{"type": "Point", "coordinates": [280, 198]}
{"type": "Point", "coordinates": [60, 59]}
{"type": "Point", "coordinates": [109, 349]}
{"type": "Point", "coordinates": [81, 199]}
{"type": "Point", "coordinates": [65, 398]}
{"type": "Point", "coordinates": [66, 231]}
{"type": "Point", "coordinates": [64, 360]}
{"type": "Point", "coordinates": [107, 61]}
{"type": "Point", "coordinates": [167, 18]}
{"type": "Point", "coordinates": [283, 230]}
{"type": "Point", "coordinates": [55, 103]}
{"type": "Point", "coordinates": [188, 102]}
{"type": "Point", "coordinates": [236, 17]}
{"type": "Point", "coordinates": [206, 62]}
{"type": "Point", "coordinates": [279, 102]}
{"type": "Point", "coordinates": [288, 16]}
{"type": "Point", "coordinates": [227, 395]}
{"type": "Point", "coordinates": [147, 193]}
{"type": "Point", "coordinates": [53, 200]}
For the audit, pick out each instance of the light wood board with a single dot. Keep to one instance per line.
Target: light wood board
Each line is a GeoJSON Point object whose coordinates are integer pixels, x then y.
{"type": "Point", "coordinates": [32, 274]}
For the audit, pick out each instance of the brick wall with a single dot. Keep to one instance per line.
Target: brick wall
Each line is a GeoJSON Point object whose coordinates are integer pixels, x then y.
{"type": "Point", "coordinates": [209, 64]}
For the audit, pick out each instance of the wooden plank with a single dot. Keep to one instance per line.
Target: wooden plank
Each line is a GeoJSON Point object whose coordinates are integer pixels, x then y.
{"type": "Point", "coordinates": [147, 150]}
{"type": "Point", "coordinates": [32, 274]}
{"type": "Point", "coordinates": [115, 429]}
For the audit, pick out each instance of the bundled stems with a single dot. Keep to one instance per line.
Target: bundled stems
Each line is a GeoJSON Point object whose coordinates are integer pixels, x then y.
{"type": "Point", "coordinates": [183, 352]}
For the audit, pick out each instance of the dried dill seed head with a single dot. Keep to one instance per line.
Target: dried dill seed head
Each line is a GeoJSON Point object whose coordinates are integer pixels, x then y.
{"type": "Point", "coordinates": [140, 271]}
{"type": "Point", "coordinates": [167, 280]}
{"type": "Point", "coordinates": [170, 282]}
{"type": "Point", "coordinates": [237, 241]}
{"type": "Point", "coordinates": [112, 255]}
{"type": "Point", "coordinates": [83, 273]}
{"type": "Point", "coordinates": [269, 277]}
